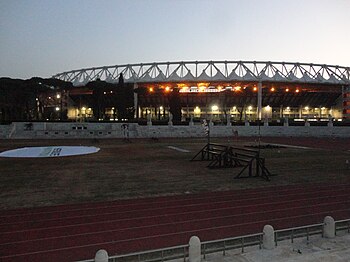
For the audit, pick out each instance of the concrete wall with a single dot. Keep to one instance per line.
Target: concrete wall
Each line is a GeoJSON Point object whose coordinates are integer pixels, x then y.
{"type": "Point", "coordinates": [44, 130]}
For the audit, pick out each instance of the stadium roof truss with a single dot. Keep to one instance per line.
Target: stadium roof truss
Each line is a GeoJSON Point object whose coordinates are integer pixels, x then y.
{"type": "Point", "coordinates": [212, 71]}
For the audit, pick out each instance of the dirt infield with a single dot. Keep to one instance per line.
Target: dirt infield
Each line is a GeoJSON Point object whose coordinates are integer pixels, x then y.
{"type": "Point", "coordinates": [143, 168]}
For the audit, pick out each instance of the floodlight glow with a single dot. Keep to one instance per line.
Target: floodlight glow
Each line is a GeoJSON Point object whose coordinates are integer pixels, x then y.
{"type": "Point", "coordinates": [214, 108]}
{"type": "Point", "coordinates": [57, 108]}
{"type": "Point", "coordinates": [58, 96]}
{"type": "Point", "coordinates": [197, 110]}
{"type": "Point", "coordinates": [250, 107]}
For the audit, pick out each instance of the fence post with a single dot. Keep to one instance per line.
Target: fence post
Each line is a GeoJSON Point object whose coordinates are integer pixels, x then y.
{"type": "Point", "coordinates": [194, 250]}
{"type": "Point", "coordinates": [101, 256]}
{"type": "Point", "coordinates": [268, 237]}
{"type": "Point", "coordinates": [328, 227]}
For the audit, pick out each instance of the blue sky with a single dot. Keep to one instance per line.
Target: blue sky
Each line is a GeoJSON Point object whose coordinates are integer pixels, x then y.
{"type": "Point", "coordinates": [45, 37]}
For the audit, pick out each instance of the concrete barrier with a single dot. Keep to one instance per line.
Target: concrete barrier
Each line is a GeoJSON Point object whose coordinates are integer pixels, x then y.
{"type": "Point", "coordinates": [329, 227]}
{"type": "Point", "coordinates": [101, 256]}
{"type": "Point", "coordinates": [47, 130]}
{"type": "Point", "coordinates": [194, 250]}
{"type": "Point", "coordinates": [268, 237]}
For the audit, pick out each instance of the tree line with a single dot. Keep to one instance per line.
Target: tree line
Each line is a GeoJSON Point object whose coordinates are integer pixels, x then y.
{"type": "Point", "coordinates": [34, 99]}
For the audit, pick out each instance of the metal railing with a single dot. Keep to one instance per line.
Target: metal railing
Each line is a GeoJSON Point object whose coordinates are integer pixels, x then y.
{"type": "Point", "coordinates": [223, 245]}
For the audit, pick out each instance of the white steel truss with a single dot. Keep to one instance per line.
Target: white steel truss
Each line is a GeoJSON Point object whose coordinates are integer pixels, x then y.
{"type": "Point", "coordinates": [212, 71]}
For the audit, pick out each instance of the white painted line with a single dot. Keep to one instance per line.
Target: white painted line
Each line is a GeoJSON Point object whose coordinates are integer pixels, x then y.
{"type": "Point", "coordinates": [179, 149]}
{"type": "Point", "coordinates": [300, 147]}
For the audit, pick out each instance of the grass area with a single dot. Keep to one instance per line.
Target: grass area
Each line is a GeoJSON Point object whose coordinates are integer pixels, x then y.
{"type": "Point", "coordinates": [148, 168]}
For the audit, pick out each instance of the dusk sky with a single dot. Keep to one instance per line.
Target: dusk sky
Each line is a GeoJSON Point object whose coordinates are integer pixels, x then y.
{"type": "Point", "coordinates": [45, 37]}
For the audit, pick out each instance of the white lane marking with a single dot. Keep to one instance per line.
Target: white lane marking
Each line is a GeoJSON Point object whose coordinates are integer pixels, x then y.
{"type": "Point", "coordinates": [179, 149]}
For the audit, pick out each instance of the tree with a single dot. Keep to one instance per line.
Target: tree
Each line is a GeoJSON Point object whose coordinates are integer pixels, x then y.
{"type": "Point", "coordinates": [175, 104]}
{"type": "Point", "coordinates": [98, 102]}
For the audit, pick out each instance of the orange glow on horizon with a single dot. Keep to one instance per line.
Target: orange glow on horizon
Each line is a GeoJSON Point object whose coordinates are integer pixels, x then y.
{"type": "Point", "coordinates": [203, 84]}
{"type": "Point", "coordinates": [167, 89]}
{"type": "Point", "coordinates": [201, 88]}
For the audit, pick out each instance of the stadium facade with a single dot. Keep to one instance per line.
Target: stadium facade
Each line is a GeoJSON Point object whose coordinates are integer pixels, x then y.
{"type": "Point", "coordinates": [240, 90]}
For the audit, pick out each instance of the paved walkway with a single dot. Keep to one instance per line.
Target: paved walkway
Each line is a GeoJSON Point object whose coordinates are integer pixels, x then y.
{"type": "Point", "coordinates": [318, 249]}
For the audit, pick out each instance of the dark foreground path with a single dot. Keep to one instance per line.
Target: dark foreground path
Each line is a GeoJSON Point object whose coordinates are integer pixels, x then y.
{"type": "Point", "coordinates": [76, 232]}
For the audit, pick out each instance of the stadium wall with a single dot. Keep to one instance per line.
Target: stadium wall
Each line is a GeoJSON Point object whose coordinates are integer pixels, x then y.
{"type": "Point", "coordinates": [45, 130]}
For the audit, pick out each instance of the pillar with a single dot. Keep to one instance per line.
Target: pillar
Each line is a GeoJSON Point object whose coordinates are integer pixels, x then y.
{"type": "Point", "coordinates": [191, 121]}
{"type": "Point", "coordinates": [136, 106]}
{"type": "Point", "coordinates": [268, 237]}
{"type": "Point", "coordinates": [170, 122]}
{"type": "Point", "coordinates": [228, 119]}
{"type": "Point", "coordinates": [194, 250]}
{"type": "Point", "coordinates": [346, 102]}
{"type": "Point", "coordinates": [101, 256]}
{"type": "Point", "coordinates": [259, 107]}
{"type": "Point", "coordinates": [328, 227]}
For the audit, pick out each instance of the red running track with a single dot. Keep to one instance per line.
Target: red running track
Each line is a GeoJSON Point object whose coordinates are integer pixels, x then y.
{"type": "Point", "coordinates": [76, 232]}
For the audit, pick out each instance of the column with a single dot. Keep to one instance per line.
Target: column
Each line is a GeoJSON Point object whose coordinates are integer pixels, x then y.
{"type": "Point", "coordinates": [329, 227]}
{"type": "Point", "coordinates": [259, 107]}
{"type": "Point", "coordinates": [346, 102]}
{"type": "Point", "coordinates": [268, 237]}
{"type": "Point", "coordinates": [136, 106]}
{"type": "Point", "coordinates": [194, 250]}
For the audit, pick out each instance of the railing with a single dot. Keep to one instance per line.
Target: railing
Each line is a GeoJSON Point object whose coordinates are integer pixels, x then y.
{"type": "Point", "coordinates": [223, 245]}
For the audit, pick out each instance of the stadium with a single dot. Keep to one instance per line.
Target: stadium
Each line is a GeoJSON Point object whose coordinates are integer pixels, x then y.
{"type": "Point", "coordinates": [81, 185]}
{"type": "Point", "coordinates": [240, 90]}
